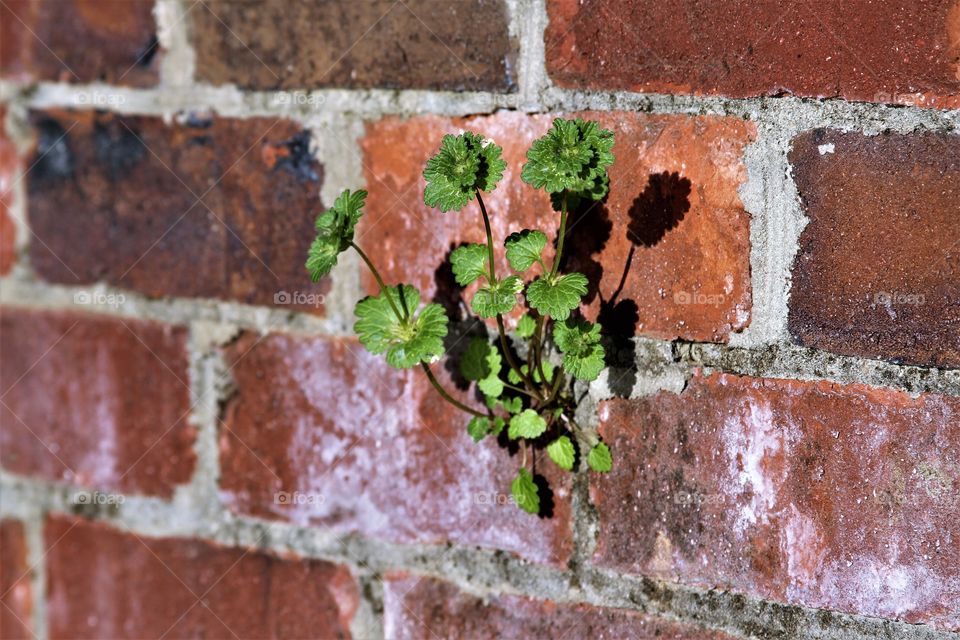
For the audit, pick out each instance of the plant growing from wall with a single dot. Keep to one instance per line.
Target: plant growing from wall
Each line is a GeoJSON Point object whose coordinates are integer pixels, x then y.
{"type": "Point", "coordinates": [524, 394]}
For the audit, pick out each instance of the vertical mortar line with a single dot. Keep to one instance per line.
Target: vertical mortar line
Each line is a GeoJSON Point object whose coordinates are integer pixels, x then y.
{"type": "Point", "coordinates": [770, 196]}
{"type": "Point", "coordinates": [337, 147]}
{"type": "Point", "coordinates": [36, 559]}
{"type": "Point", "coordinates": [209, 387]}
{"type": "Point", "coordinates": [178, 59]}
{"type": "Point", "coordinates": [528, 21]}
{"type": "Point", "coordinates": [17, 130]}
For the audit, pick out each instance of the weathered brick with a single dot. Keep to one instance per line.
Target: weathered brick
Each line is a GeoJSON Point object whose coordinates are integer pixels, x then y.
{"type": "Point", "coordinates": [879, 262]}
{"type": "Point", "coordinates": [105, 583]}
{"type": "Point", "coordinates": [813, 493]}
{"type": "Point", "coordinates": [420, 44]}
{"type": "Point", "coordinates": [9, 168]}
{"type": "Point", "coordinates": [16, 602]}
{"type": "Point", "coordinates": [340, 441]}
{"type": "Point", "coordinates": [420, 607]}
{"type": "Point", "coordinates": [887, 51]}
{"type": "Point", "coordinates": [96, 401]}
{"type": "Point", "coordinates": [667, 254]}
{"type": "Point", "coordinates": [217, 207]}
{"type": "Point", "coordinates": [112, 41]}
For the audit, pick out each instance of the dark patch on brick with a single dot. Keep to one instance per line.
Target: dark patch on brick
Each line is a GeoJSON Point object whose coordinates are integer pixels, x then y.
{"type": "Point", "coordinates": [149, 51]}
{"type": "Point", "coordinates": [294, 156]}
{"type": "Point", "coordinates": [118, 147]}
{"type": "Point", "coordinates": [54, 157]}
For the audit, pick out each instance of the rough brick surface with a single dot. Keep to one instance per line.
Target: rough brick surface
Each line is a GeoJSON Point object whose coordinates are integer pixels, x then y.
{"type": "Point", "coordinates": [840, 497]}
{"type": "Point", "coordinates": [111, 41]}
{"type": "Point", "coordinates": [9, 170]}
{"type": "Point", "coordinates": [887, 51]}
{"type": "Point", "coordinates": [877, 271]}
{"type": "Point", "coordinates": [416, 607]}
{"type": "Point", "coordinates": [100, 402]}
{"type": "Point", "coordinates": [132, 185]}
{"type": "Point", "coordinates": [106, 583]}
{"type": "Point", "coordinates": [420, 44]}
{"type": "Point", "coordinates": [15, 597]}
{"type": "Point", "coordinates": [667, 254]}
{"type": "Point", "coordinates": [340, 441]}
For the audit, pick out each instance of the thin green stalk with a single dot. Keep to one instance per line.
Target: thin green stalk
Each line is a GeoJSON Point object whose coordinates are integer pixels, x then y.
{"type": "Point", "coordinates": [527, 380]}
{"type": "Point", "coordinates": [486, 227]}
{"type": "Point", "coordinates": [538, 346]}
{"type": "Point", "coordinates": [519, 390]}
{"type": "Point", "coordinates": [446, 396]}
{"type": "Point", "coordinates": [560, 237]}
{"type": "Point", "coordinates": [402, 317]}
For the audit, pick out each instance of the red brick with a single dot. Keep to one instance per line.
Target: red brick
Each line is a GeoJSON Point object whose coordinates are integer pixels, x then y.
{"type": "Point", "coordinates": [99, 402]}
{"type": "Point", "coordinates": [418, 44]}
{"type": "Point", "coordinates": [673, 222]}
{"type": "Point", "coordinates": [813, 493]}
{"type": "Point", "coordinates": [416, 607]}
{"type": "Point", "coordinates": [9, 170]}
{"type": "Point", "coordinates": [884, 51]}
{"type": "Point", "coordinates": [105, 583]}
{"type": "Point", "coordinates": [363, 448]}
{"type": "Point", "coordinates": [132, 184]}
{"type": "Point", "coordinates": [112, 41]}
{"type": "Point", "coordinates": [877, 271]}
{"type": "Point", "coordinates": [16, 602]}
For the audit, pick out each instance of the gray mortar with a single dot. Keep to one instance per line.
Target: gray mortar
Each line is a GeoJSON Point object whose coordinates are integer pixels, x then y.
{"type": "Point", "coordinates": [336, 118]}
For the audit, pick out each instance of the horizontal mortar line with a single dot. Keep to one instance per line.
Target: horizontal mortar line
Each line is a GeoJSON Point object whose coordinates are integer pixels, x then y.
{"type": "Point", "coordinates": [474, 570]}
{"type": "Point", "coordinates": [307, 105]}
{"type": "Point", "coordinates": [783, 361]}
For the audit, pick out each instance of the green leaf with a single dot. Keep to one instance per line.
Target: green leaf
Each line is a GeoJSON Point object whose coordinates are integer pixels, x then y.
{"type": "Point", "coordinates": [406, 342]}
{"type": "Point", "coordinates": [557, 296]}
{"type": "Point", "coordinates": [561, 452]}
{"type": "Point", "coordinates": [469, 262]}
{"type": "Point", "coordinates": [547, 370]}
{"type": "Point", "coordinates": [579, 341]}
{"type": "Point", "coordinates": [573, 156]}
{"type": "Point", "coordinates": [599, 458]}
{"type": "Point", "coordinates": [462, 166]}
{"type": "Point", "coordinates": [481, 362]}
{"type": "Point", "coordinates": [527, 424]}
{"type": "Point", "coordinates": [478, 427]}
{"type": "Point", "coordinates": [498, 424]}
{"type": "Point", "coordinates": [492, 386]}
{"type": "Point", "coordinates": [496, 297]}
{"type": "Point", "coordinates": [526, 326]}
{"type": "Point", "coordinates": [524, 248]}
{"type": "Point", "coordinates": [512, 405]}
{"type": "Point", "coordinates": [335, 228]}
{"type": "Point", "coordinates": [524, 491]}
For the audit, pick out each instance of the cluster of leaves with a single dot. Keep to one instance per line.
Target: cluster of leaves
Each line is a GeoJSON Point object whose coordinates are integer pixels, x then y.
{"type": "Point", "coordinates": [529, 402]}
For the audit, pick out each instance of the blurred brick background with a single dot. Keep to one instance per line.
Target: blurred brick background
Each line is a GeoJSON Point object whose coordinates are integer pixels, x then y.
{"type": "Point", "coordinates": [193, 445]}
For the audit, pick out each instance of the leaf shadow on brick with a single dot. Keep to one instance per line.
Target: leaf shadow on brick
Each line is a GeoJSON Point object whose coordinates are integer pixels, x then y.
{"type": "Point", "coordinates": [659, 208]}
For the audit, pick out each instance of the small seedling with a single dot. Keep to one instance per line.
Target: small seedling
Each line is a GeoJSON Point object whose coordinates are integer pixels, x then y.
{"type": "Point", "coordinates": [530, 397]}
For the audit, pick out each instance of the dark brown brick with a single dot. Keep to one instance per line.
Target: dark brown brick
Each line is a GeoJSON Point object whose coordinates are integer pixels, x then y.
{"type": "Point", "coordinates": [420, 607]}
{"type": "Point", "coordinates": [812, 493]}
{"type": "Point", "coordinates": [667, 254]}
{"type": "Point", "coordinates": [217, 207]}
{"type": "Point", "coordinates": [9, 169]}
{"type": "Point", "coordinates": [419, 44]}
{"type": "Point", "coordinates": [112, 41]}
{"type": "Point", "coordinates": [339, 440]}
{"type": "Point", "coordinates": [882, 51]}
{"type": "Point", "coordinates": [16, 600]}
{"type": "Point", "coordinates": [95, 401]}
{"type": "Point", "coordinates": [105, 583]}
{"type": "Point", "coordinates": [879, 263]}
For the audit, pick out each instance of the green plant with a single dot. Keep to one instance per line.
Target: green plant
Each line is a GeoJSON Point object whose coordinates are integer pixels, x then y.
{"type": "Point", "coordinates": [529, 396]}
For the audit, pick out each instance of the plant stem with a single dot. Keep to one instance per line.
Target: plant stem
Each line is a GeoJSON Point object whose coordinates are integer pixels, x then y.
{"type": "Point", "coordinates": [520, 390]}
{"type": "Point", "coordinates": [446, 396]}
{"type": "Point", "coordinates": [402, 317]}
{"type": "Point", "coordinates": [486, 227]}
{"type": "Point", "coordinates": [560, 235]}
{"type": "Point", "coordinates": [538, 347]}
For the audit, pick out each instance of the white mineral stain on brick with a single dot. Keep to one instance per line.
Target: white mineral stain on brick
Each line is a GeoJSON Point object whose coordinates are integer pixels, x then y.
{"type": "Point", "coordinates": [826, 148]}
{"type": "Point", "coordinates": [753, 442]}
{"type": "Point", "coordinates": [802, 545]}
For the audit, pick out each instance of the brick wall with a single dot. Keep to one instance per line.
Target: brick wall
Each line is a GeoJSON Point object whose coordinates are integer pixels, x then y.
{"type": "Point", "coordinates": [193, 445]}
